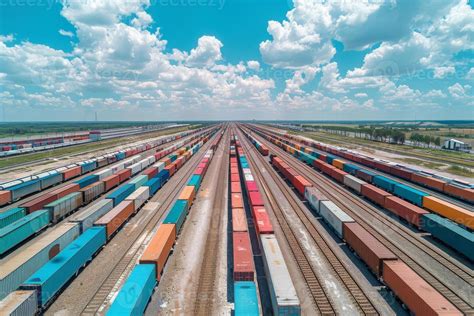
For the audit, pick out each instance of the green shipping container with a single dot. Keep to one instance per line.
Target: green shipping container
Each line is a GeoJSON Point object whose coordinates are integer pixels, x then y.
{"type": "Point", "coordinates": [139, 181]}
{"type": "Point", "coordinates": [195, 181]}
{"type": "Point", "coordinates": [12, 215]}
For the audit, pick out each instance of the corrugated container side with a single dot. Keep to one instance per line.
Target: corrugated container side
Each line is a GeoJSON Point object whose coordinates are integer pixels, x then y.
{"type": "Point", "coordinates": [19, 303]}
{"type": "Point", "coordinates": [334, 216]}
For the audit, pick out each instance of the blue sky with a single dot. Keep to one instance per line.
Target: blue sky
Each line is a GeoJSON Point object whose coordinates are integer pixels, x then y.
{"type": "Point", "coordinates": [236, 59]}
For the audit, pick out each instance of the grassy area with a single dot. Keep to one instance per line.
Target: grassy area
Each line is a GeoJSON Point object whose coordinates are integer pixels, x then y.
{"type": "Point", "coordinates": [22, 159]}
{"type": "Point", "coordinates": [460, 171]}
{"type": "Point", "coordinates": [423, 163]}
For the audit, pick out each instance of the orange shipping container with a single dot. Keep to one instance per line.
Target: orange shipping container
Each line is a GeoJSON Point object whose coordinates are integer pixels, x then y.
{"type": "Point", "coordinates": [239, 220]}
{"type": "Point", "coordinates": [235, 187]}
{"type": "Point", "coordinates": [159, 248]}
{"type": "Point", "coordinates": [338, 163]}
{"type": "Point", "coordinates": [71, 173]}
{"type": "Point", "coordinates": [188, 194]}
{"type": "Point", "coordinates": [419, 296]}
{"type": "Point", "coordinates": [236, 200]}
{"type": "Point", "coordinates": [65, 190]}
{"type": "Point", "coordinates": [448, 210]}
{"type": "Point", "coordinates": [111, 181]}
{"type": "Point", "coordinates": [5, 197]}
{"type": "Point", "coordinates": [115, 218]}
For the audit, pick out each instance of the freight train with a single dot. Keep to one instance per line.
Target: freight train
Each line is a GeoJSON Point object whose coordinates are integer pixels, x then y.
{"type": "Point", "coordinates": [46, 267]}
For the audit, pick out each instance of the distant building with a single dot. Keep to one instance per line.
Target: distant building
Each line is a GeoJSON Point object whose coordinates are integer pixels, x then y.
{"type": "Point", "coordinates": [454, 144]}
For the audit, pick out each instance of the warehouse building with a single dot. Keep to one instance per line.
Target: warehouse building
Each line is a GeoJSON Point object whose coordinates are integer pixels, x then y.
{"type": "Point", "coordinates": [454, 144]}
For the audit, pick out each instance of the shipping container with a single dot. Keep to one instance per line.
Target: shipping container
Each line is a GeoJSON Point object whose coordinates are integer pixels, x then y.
{"type": "Point", "coordinates": [63, 206]}
{"type": "Point", "coordinates": [124, 174]}
{"type": "Point", "coordinates": [52, 277]}
{"type": "Point", "coordinates": [334, 216]}
{"type": "Point", "coordinates": [374, 194]}
{"type": "Point", "coordinates": [153, 185]}
{"type": "Point", "coordinates": [187, 194]}
{"type": "Point", "coordinates": [338, 164]}
{"type": "Point", "coordinates": [71, 172]}
{"type": "Point", "coordinates": [49, 180]}
{"type": "Point", "coordinates": [243, 258]}
{"type": "Point", "coordinates": [411, 213]}
{"type": "Point", "coordinates": [235, 187]}
{"type": "Point", "coordinates": [5, 197]}
{"type": "Point", "coordinates": [282, 291]}
{"type": "Point", "coordinates": [354, 183]}
{"type": "Point", "coordinates": [463, 193]}
{"type": "Point", "coordinates": [136, 292]}
{"type": "Point", "coordinates": [121, 193]}
{"type": "Point", "coordinates": [111, 182]}
{"type": "Point", "coordinates": [195, 181]}
{"type": "Point", "coordinates": [39, 202]}
{"type": "Point", "coordinates": [104, 173]}
{"type": "Point", "coordinates": [116, 217]}
{"type": "Point", "coordinates": [314, 197]}
{"type": "Point", "coordinates": [448, 210]}
{"type": "Point", "coordinates": [255, 199]}
{"type": "Point", "coordinates": [19, 303]}
{"type": "Point", "coordinates": [245, 299]}
{"type": "Point", "coordinates": [239, 220]}
{"type": "Point", "coordinates": [365, 175]}
{"type": "Point", "coordinates": [159, 248]}
{"type": "Point", "coordinates": [263, 224]}
{"type": "Point", "coordinates": [419, 296]}
{"type": "Point", "coordinates": [22, 229]}
{"type": "Point", "coordinates": [139, 197]}
{"type": "Point", "coordinates": [367, 247]}
{"type": "Point", "coordinates": [65, 190]}
{"type": "Point", "coordinates": [449, 233]}
{"type": "Point", "coordinates": [300, 183]}
{"type": "Point", "coordinates": [87, 180]}
{"type": "Point", "coordinates": [236, 200]}
{"type": "Point", "coordinates": [92, 191]}
{"type": "Point", "coordinates": [87, 217]}
{"type": "Point", "coordinates": [429, 182]}
{"type": "Point", "coordinates": [23, 189]}
{"type": "Point", "coordinates": [350, 168]}
{"type": "Point", "coordinates": [251, 186]}
{"type": "Point", "coordinates": [177, 214]}
{"type": "Point", "coordinates": [17, 267]}
{"type": "Point", "coordinates": [410, 194]}
{"type": "Point", "coordinates": [384, 183]}
{"type": "Point", "coordinates": [12, 215]}
{"type": "Point", "coordinates": [138, 181]}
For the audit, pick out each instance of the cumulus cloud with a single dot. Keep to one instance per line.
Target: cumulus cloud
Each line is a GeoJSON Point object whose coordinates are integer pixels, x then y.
{"type": "Point", "coordinates": [66, 33]}
{"type": "Point", "coordinates": [254, 65]}
{"type": "Point", "coordinates": [207, 52]}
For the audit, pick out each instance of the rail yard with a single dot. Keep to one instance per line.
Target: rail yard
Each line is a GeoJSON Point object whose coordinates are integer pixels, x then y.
{"type": "Point", "coordinates": [234, 218]}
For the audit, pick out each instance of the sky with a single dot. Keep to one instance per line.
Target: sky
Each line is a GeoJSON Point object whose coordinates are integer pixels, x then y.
{"type": "Point", "coordinates": [236, 59]}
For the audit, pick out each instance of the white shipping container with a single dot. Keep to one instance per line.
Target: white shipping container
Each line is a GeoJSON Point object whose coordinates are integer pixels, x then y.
{"type": "Point", "coordinates": [151, 160]}
{"type": "Point", "coordinates": [247, 171]}
{"type": "Point", "coordinates": [21, 264]}
{"type": "Point", "coordinates": [314, 197]}
{"type": "Point", "coordinates": [87, 217]}
{"type": "Point", "coordinates": [19, 303]}
{"type": "Point", "coordinates": [104, 173]}
{"type": "Point", "coordinates": [282, 291]}
{"type": "Point", "coordinates": [135, 168]}
{"type": "Point", "coordinates": [139, 197]}
{"type": "Point", "coordinates": [144, 163]}
{"type": "Point", "coordinates": [334, 216]}
{"type": "Point", "coordinates": [353, 182]}
{"type": "Point", "coordinates": [160, 165]}
{"type": "Point", "coordinates": [116, 168]}
{"type": "Point", "coordinates": [249, 177]}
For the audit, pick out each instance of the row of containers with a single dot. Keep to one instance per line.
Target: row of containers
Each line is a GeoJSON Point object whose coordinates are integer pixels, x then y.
{"type": "Point", "coordinates": [260, 147]}
{"type": "Point", "coordinates": [446, 222]}
{"type": "Point", "coordinates": [20, 223]}
{"type": "Point", "coordinates": [32, 278]}
{"type": "Point", "coordinates": [411, 289]}
{"type": "Point", "coordinates": [134, 295]}
{"type": "Point", "coordinates": [284, 299]}
{"type": "Point", "coordinates": [452, 187]}
{"type": "Point", "coordinates": [15, 190]}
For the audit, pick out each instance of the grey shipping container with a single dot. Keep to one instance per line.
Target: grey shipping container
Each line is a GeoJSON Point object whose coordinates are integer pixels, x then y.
{"type": "Point", "coordinates": [314, 197]}
{"type": "Point", "coordinates": [92, 191]}
{"type": "Point", "coordinates": [89, 215]}
{"type": "Point", "coordinates": [283, 293]}
{"type": "Point", "coordinates": [65, 205]}
{"type": "Point", "coordinates": [19, 303]}
{"type": "Point", "coordinates": [353, 182]}
{"type": "Point", "coordinates": [22, 263]}
{"type": "Point", "coordinates": [334, 216]}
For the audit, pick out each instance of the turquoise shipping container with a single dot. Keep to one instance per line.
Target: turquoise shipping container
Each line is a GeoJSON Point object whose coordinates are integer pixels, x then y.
{"type": "Point", "coordinates": [138, 181]}
{"type": "Point", "coordinates": [177, 214]}
{"type": "Point", "coordinates": [245, 299]}
{"type": "Point", "coordinates": [410, 194]}
{"type": "Point", "coordinates": [195, 181]}
{"type": "Point", "coordinates": [12, 215]}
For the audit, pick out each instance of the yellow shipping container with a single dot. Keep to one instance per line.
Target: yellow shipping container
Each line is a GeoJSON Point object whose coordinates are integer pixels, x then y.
{"type": "Point", "coordinates": [448, 210]}
{"type": "Point", "coordinates": [338, 164]}
{"type": "Point", "coordinates": [308, 150]}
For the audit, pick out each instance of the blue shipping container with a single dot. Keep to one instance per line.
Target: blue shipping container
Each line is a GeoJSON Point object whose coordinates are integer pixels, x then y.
{"type": "Point", "coordinates": [20, 190]}
{"type": "Point", "coordinates": [315, 154]}
{"type": "Point", "coordinates": [88, 166]}
{"type": "Point", "coordinates": [50, 278]}
{"type": "Point", "coordinates": [12, 215]}
{"type": "Point", "coordinates": [349, 168]}
{"type": "Point", "coordinates": [245, 297]}
{"type": "Point", "coordinates": [164, 175]}
{"type": "Point", "coordinates": [384, 183]}
{"type": "Point", "coordinates": [195, 181]}
{"type": "Point", "coordinates": [177, 214]}
{"type": "Point", "coordinates": [410, 194]}
{"type": "Point", "coordinates": [87, 180]}
{"type": "Point", "coordinates": [449, 233]}
{"type": "Point", "coordinates": [136, 292]}
{"type": "Point", "coordinates": [51, 180]}
{"type": "Point", "coordinates": [13, 234]}
{"type": "Point", "coordinates": [330, 158]}
{"type": "Point", "coordinates": [154, 184]}
{"type": "Point", "coordinates": [121, 193]}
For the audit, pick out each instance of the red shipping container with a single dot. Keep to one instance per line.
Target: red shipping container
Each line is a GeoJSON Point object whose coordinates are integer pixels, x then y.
{"type": "Point", "coordinates": [235, 187]}
{"type": "Point", "coordinates": [233, 160]}
{"type": "Point", "coordinates": [243, 258]}
{"type": "Point", "coordinates": [166, 160]}
{"type": "Point", "coordinates": [111, 182]}
{"type": "Point", "coordinates": [374, 194]}
{"type": "Point", "coordinates": [239, 220]}
{"type": "Point", "coordinates": [251, 186]}
{"type": "Point", "coordinates": [236, 200]}
{"type": "Point", "coordinates": [150, 172]}
{"type": "Point", "coordinates": [410, 212]}
{"type": "Point", "coordinates": [234, 170]}
{"type": "Point", "coordinates": [124, 174]}
{"type": "Point", "coordinates": [369, 249]}
{"type": "Point", "coordinates": [171, 169]}
{"type": "Point", "coordinates": [234, 178]}
{"type": "Point", "coordinates": [263, 225]}
{"type": "Point", "coordinates": [327, 168]}
{"type": "Point", "coordinates": [466, 194]}
{"type": "Point", "coordinates": [255, 199]}
{"type": "Point", "coordinates": [38, 203]}
{"type": "Point", "coordinates": [402, 173]}
{"type": "Point", "coordinates": [5, 197]}
{"type": "Point", "coordinates": [322, 156]}
{"type": "Point", "coordinates": [71, 173]}
{"type": "Point", "coordinates": [65, 190]}
{"type": "Point", "coordinates": [199, 171]}
{"type": "Point", "coordinates": [318, 164]}
{"type": "Point", "coordinates": [417, 294]}
{"type": "Point", "coordinates": [428, 181]}
{"type": "Point", "coordinates": [300, 183]}
{"type": "Point", "coordinates": [338, 174]}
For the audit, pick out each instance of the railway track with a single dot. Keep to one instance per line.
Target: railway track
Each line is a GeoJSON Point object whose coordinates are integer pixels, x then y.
{"type": "Point", "coordinates": [322, 300]}
{"type": "Point", "coordinates": [96, 303]}
{"type": "Point", "coordinates": [204, 304]}
{"type": "Point", "coordinates": [347, 204]}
